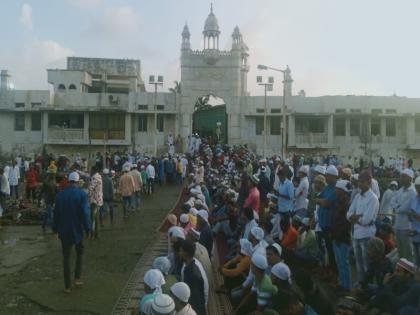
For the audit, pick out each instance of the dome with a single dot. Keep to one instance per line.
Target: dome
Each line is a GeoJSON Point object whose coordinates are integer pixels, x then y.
{"type": "Point", "coordinates": [236, 33]}
{"type": "Point", "coordinates": [211, 25]}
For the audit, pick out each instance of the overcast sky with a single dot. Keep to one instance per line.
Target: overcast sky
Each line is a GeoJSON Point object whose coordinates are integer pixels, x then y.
{"type": "Point", "coordinates": [332, 46]}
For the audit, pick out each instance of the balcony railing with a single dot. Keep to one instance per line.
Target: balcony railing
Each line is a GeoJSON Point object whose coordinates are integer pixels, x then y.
{"type": "Point", "coordinates": [311, 138]}
{"type": "Point", "coordinates": [65, 134]}
{"type": "Point", "coordinates": [99, 134]}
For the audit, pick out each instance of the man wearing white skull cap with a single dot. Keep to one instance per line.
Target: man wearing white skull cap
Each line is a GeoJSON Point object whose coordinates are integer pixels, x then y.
{"type": "Point", "coordinates": [180, 293]}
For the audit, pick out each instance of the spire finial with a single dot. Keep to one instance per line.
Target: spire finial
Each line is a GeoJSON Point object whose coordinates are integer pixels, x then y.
{"type": "Point", "coordinates": [211, 7]}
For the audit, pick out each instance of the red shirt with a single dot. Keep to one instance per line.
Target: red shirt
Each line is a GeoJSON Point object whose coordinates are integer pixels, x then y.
{"type": "Point", "coordinates": [389, 244]}
{"type": "Point", "coordinates": [64, 183]}
{"type": "Point", "coordinates": [31, 178]}
{"type": "Point", "coordinates": [289, 239]}
{"type": "Point", "coordinates": [253, 199]}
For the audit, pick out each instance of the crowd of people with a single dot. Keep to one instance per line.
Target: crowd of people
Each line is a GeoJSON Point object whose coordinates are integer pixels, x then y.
{"type": "Point", "coordinates": [300, 238]}
{"type": "Point", "coordinates": [299, 235]}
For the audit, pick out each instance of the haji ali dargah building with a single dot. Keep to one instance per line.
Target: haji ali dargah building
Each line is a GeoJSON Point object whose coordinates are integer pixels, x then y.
{"type": "Point", "coordinates": [100, 104]}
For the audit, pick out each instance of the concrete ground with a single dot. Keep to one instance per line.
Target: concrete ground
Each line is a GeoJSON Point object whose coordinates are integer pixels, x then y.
{"type": "Point", "coordinates": [31, 277]}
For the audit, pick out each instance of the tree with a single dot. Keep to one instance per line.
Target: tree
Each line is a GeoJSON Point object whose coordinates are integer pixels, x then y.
{"type": "Point", "coordinates": [202, 102]}
{"type": "Point", "coordinates": [177, 88]}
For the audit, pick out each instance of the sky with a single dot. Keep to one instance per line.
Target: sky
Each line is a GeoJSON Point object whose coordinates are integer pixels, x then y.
{"type": "Point", "coordinates": [333, 47]}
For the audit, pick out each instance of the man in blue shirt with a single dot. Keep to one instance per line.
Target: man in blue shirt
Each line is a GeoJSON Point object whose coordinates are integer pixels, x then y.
{"type": "Point", "coordinates": [71, 218]}
{"type": "Point", "coordinates": [326, 201]}
{"type": "Point", "coordinates": [285, 192]}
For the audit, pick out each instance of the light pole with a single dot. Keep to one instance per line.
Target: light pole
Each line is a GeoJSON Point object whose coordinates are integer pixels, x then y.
{"type": "Point", "coordinates": [267, 87]}
{"type": "Point", "coordinates": [156, 84]}
{"type": "Point", "coordinates": [286, 79]}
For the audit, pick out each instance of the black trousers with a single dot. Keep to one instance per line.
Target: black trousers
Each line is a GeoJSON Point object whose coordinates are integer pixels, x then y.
{"type": "Point", "coordinates": [66, 248]}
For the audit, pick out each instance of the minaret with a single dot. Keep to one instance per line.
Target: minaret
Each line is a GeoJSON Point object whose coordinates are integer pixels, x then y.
{"type": "Point", "coordinates": [4, 80]}
{"type": "Point", "coordinates": [211, 31]}
{"type": "Point", "coordinates": [236, 38]}
{"type": "Point", "coordinates": [288, 82]}
{"type": "Point", "coordinates": [186, 45]}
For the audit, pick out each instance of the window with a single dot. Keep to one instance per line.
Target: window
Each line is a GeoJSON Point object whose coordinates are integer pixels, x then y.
{"type": "Point", "coordinates": [375, 127]}
{"type": "Point", "coordinates": [275, 128]}
{"type": "Point", "coordinates": [35, 105]}
{"type": "Point", "coordinates": [376, 111]}
{"type": "Point", "coordinates": [417, 125]}
{"type": "Point", "coordinates": [19, 105]}
{"type": "Point", "coordinates": [355, 111]}
{"type": "Point", "coordinates": [61, 88]}
{"type": "Point", "coordinates": [391, 127]}
{"type": "Point", "coordinates": [391, 111]}
{"type": "Point", "coordinates": [313, 125]}
{"type": "Point", "coordinates": [275, 110]}
{"type": "Point", "coordinates": [72, 87]}
{"type": "Point", "coordinates": [107, 126]}
{"type": "Point", "coordinates": [259, 125]}
{"type": "Point", "coordinates": [354, 127]}
{"type": "Point", "coordinates": [160, 107]}
{"type": "Point", "coordinates": [142, 107]}
{"type": "Point", "coordinates": [36, 121]}
{"type": "Point", "coordinates": [143, 123]}
{"type": "Point", "coordinates": [340, 111]}
{"type": "Point", "coordinates": [260, 110]}
{"type": "Point", "coordinates": [19, 121]}
{"type": "Point", "coordinates": [340, 127]}
{"type": "Point", "coordinates": [160, 122]}
{"type": "Point", "coordinates": [75, 121]}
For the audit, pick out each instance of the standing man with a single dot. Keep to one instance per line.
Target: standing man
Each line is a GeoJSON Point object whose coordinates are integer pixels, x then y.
{"type": "Point", "coordinates": [301, 192]}
{"type": "Point", "coordinates": [71, 218]}
{"type": "Point", "coordinates": [151, 173]}
{"type": "Point", "coordinates": [95, 200]}
{"type": "Point", "coordinates": [403, 200]}
{"type": "Point", "coordinates": [138, 184]}
{"type": "Point", "coordinates": [14, 176]}
{"type": "Point", "coordinates": [108, 196]}
{"type": "Point", "coordinates": [415, 222]}
{"type": "Point", "coordinates": [126, 189]}
{"type": "Point", "coordinates": [285, 192]}
{"type": "Point", "coordinates": [362, 215]}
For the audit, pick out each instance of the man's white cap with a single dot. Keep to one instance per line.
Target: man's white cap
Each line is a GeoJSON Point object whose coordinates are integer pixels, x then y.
{"type": "Point", "coordinates": [105, 171]}
{"type": "Point", "coordinates": [194, 211]}
{"type": "Point", "coordinates": [246, 247]}
{"type": "Point", "coordinates": [320, 169]}
{"type": "Point", "coordinates": [154, 278]}
{"type": "Point", "coordinates": [407, 172]}
{"type": "Point", "coordinates": [163, 304]}
{"type": "Point", "coordinates": [177, 231]}
{"type": "Point", "coordinates": [204, 215]}
{"type": "Point", "coordinates": [259, 261]}
{"type": "Point", "coordinates": [184, 218]}
{"type": "Point", "coordinates": [127, 168]}
{"type": "Point", "coordinates": [282, 271]}
{"type": "Point", "coordinates": [304, 169]}
{"type": "Point", "coordinates": [305, 221]}
{"type": "Point", "coordinates": [343, 184]}
{"type": "Point", "coordinates": [331, 170]}
{"type": "Point", "coordinates": [355, 176]}
{"type": "Point", "coordinates": [395, 183]}
{"type": "Point", "coordinates": [258, 233]}
{"type": "Point", "coordinates": [74, 177]}
{"type": "Point", "coordinates": [278, 248]}
{"type": "Point", "coordinates": [162, 263]}
{"type": "Point", "coordinates": [417, 181]}
{"type": "Point", "coordinates": [182, 291]}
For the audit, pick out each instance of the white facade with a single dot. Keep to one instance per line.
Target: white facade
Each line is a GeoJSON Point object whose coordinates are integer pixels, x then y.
{"type": "Point", "coordinates": [101, 104]}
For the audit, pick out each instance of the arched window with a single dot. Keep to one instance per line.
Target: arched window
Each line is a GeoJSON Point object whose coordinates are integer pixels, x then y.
{"type": "Point", "coordinates": [61, 88]}
{"type": "Point", "coordinates": [72, 87]}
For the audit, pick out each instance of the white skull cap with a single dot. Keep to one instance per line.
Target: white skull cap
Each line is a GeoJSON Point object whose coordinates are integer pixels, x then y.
{"type": "Point", "coordinates": [182, 291]}
{"type": "Point", "coordinates": [154, 278]}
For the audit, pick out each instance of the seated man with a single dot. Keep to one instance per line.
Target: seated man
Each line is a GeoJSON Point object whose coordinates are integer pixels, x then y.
{"type": "Point", "coordinates": [262, 289]}
{"type": "Point", "coordinates": [290, 234]}
{"type": "Point", "coordinates": [400, 289]}
{"type": "Point", "coordinates": [235, 270]}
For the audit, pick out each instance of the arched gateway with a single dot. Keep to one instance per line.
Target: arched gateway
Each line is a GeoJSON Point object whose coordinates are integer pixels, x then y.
{"type": "Point", "coordinates": [214, 72]}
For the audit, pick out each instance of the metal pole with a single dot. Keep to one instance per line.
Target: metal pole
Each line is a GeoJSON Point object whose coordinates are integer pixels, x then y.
{"type": "Point", "coordinates": [155, 123]}
{"type": "Point", "coordinates": [283, 111]}
{"type": "Point", "coordinates": [265, 120]}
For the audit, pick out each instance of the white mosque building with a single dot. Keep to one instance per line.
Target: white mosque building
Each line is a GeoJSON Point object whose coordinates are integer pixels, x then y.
{"type": "Point", "coordinates": [100, 104]}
